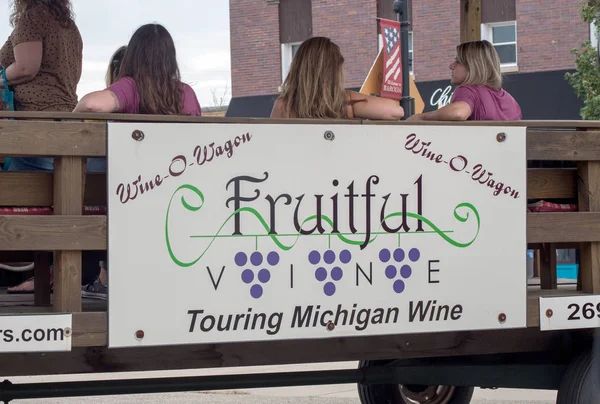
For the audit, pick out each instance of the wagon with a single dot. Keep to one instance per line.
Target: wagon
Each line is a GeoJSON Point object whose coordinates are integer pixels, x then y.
{"type": "Point", "coordinates": [242, 242]}
{"type": "Point", "coordinates": [431, 296]}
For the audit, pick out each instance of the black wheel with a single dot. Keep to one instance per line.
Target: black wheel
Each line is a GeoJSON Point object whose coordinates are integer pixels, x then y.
{"type": "Point", "coordinates": [581, 381]}
{"type": "Point", "coordinates": [412, 394]}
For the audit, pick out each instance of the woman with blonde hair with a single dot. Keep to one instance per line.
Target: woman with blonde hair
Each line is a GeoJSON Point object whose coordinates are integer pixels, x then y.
{"type": "Point", "coordinates": [479, 95]}
{"type": "Point", "coordinates": [314, 88]}
{"type": "Point", "coordinates": [114, 66]}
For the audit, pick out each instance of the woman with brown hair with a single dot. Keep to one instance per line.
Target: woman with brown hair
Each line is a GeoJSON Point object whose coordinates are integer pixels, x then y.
{"type": "Point", "coordinates": [314, 88]}
{"type": "Point", "coordinates": [148, 82]}
{"type": "Point", "coordinates": [41, 61]}
{"type": "Point", "coordinates": [479, 95]}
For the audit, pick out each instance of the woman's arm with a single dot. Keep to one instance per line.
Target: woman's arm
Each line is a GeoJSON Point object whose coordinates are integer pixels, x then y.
{"type": "Point", "coordinates": [369, 107]}
{"type": "Point", "coordinates": [277, 111]}
{"type": "Point", "coordinates": [28, 59]}
{"type": "Point", "coordinates": [98, 101]}
{"type": "Point", "coordinates": [455, 111]}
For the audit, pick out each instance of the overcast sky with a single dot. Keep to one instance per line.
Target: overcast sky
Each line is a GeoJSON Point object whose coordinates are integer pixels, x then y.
{"type": "Point", "coordinates": [200, 29]}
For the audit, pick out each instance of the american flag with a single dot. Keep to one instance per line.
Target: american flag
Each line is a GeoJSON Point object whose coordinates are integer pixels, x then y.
{"type": "Point", "coordinates": [392, 49]}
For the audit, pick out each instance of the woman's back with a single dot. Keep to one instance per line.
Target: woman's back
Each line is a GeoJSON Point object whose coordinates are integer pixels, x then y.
{"type": "Point", "coordinates": [488, 104]}
{"type": "Point", "coordinates": [149, 81]}
{"type": "Point", "coordinates": [314, 88]}
{"type": "Point", "coordinates": [55, 85]}
{"type": "Point", "coordinates": [128, 96]}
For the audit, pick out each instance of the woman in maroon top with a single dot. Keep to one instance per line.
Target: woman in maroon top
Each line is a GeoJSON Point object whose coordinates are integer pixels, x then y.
{"type": "Point", "coordinates": [479, 95]}
{"type": "Point", "coordinates": [148, 82]}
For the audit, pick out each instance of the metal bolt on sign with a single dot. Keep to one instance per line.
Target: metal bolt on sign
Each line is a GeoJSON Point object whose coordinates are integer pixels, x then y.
{"type": "Point", "coordinates": [501, 137]}
{"type": "Point", "coordinates": [330, 326]}
{"type": "Point", "coordinates": [67, 332]}
{"type": "Point", "coordinates": [138, 135]}
{"type": "Point", "coordinates": [329, 135]}
{"type": "Point", "coordinates": [139, 335]}
{"type": "Point", "coordinates": [502, 318]}
{"type": "Point", "coordinates": [549, 313]}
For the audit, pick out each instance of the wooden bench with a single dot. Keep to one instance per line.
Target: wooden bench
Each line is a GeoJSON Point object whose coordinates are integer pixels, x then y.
{"type": "Point", "coordinates": [32, 194]}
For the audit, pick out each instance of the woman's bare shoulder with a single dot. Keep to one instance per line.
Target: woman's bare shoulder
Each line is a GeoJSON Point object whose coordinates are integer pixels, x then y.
{"type": "Point", "coordinates": [279, 109]}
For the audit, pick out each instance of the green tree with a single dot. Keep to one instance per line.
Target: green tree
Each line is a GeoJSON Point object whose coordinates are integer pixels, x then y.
{"type": "Point", "coordinates": [586, 79]}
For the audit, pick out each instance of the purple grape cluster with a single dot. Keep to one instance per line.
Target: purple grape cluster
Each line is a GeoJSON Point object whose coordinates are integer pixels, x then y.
{"type": "Point", "coordinates": [336, 273]}
{"type": "Point", "coordinates": [260, 273]}
{"type": "Point", "coordinates": [391, 271]}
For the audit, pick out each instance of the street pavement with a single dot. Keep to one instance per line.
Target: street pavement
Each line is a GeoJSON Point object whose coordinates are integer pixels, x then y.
{"type": "Point", "coordinates": [326, 394]}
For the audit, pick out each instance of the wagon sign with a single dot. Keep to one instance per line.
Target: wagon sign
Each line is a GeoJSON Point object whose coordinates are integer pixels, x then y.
{"type": "Point", "coordinates": [248, 232]}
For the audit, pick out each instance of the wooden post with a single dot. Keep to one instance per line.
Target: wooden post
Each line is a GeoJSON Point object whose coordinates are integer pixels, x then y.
{"type": "Point", "coordinates": [548, 266]}
{"type": "Point", "coordinates": [41, 275]}
{"type": "Point", "coordinates": [589, 201]}
{"type": "Point", "coordinates": [68, 200]}
{"type": "Point", "coordinates": [470, 20]}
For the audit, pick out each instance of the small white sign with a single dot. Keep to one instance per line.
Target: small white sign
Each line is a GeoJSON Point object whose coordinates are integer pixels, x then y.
{"type": "Point", "coordinates": [569, 312]}
{"type": "Point", "coordinates": [249, 232]}
{"type": "Point", "coordinates": [35, 333]}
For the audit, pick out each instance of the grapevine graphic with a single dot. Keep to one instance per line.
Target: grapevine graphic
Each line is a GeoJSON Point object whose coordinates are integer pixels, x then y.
{"type": "Point", "coordinates": [256, 268]}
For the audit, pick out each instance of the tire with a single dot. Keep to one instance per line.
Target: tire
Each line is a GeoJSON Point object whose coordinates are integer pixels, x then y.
{"type": "Point", "coordinates": [412, 394]}
{"type": "Point", "coordinates": [581, 381]}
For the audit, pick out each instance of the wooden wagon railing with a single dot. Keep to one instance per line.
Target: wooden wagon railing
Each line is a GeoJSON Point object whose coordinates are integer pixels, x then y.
{"type": "Point", "coordinates": [71, 138]}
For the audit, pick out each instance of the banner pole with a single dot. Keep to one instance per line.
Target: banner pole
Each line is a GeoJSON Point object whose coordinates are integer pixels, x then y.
{"type": "Point", "coordinates": [407, 103]}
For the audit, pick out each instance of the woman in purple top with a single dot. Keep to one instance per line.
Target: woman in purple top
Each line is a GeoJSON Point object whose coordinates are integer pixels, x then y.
{"type": "Point", "coordinates": [149, 81]}
{"type": "Point", "coordinates": [479, 95]}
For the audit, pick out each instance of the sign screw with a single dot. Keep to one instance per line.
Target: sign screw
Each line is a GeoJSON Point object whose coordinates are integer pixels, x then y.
{"type": "Point", "coordinates": [139, 335]}
{"type": "Point", "coordinates": [502, 318]}
{"type": "Point", "coordinates": [549, 313]}
{"type": "Point", "coordinates": [67, 332]}
{"type": "Point", "coordinates": [501, 137]}
{"type": "Point", "coordinates": [330, 326]}
{"type": "Point", "coordinates": [138, 135]}
{"type": "Point", "coordinates": [329, 135]}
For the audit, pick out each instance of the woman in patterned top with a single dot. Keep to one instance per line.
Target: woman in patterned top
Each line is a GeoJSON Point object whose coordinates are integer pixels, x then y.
{"type": "Point", "coordinates": [42, 61]}
{"type": "Point", "coordinates": [43, 58]}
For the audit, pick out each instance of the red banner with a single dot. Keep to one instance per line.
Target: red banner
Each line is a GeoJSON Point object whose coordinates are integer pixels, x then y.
{"type": "Point", "coordinates": [391, 86]}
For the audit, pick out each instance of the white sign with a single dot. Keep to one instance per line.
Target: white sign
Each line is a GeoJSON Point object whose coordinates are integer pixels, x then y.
{"type": "Point", "coordinates": [35, 333]}
{"type": "Point", "coordinates": [441, 97]}
{"type": "Point", "coordinates": [569, 312]}
{"type": "Point", "coordinates": [244, 232]}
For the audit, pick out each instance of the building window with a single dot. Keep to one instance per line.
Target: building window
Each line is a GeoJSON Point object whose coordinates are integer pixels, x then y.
{"type": "Point", "coordinates": [594, 35]}
{"type": "Point", "coordinates": [410, 50]}
{"type": "Point", "coordinates": [503, 35]}
{"type": "Point", "coordinates": [288, 50]}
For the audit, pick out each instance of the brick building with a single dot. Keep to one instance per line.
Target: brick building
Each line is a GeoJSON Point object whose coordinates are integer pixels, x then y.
{"type": "Point", "coordinates": [533, 39]}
